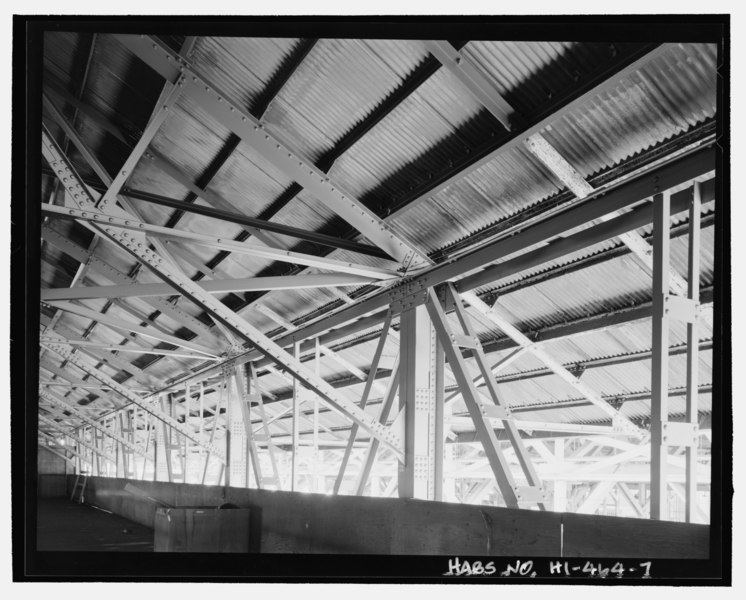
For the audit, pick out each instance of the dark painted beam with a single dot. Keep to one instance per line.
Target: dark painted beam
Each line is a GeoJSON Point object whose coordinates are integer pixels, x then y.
{"type": "Point", "coordinates": [232, 217]}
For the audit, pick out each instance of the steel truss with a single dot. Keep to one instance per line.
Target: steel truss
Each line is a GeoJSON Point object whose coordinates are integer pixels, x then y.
{"type": "Point", "coordinates": [420, 300]}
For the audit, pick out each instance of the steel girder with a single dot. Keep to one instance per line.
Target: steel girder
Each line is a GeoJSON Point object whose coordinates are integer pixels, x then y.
{"type": "Point", "coordinates": [267, 252]}
{"type": "Point", "coordinates": [254, 225]}
{"type": "Point", "coordinates": [135, 245]}
{"type": "Point", "coordinates": [214, 286]}
{"type": "Point", "coordinates": [130, 327]}
{"type": "Point", "coordinates": [220, 105]}
{"type": "Point", "coordinates": [632, 191]}
{"type": "Point", "coordinates": [125, 281]}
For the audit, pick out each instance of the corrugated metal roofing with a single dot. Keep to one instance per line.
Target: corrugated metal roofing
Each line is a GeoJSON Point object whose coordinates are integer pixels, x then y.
{"type": "Point", "coordinates": [338, 84]}
{"type": "Point", "coordinates": [241, 67]}
{"type": "Point", "coordinates": [665, 98]}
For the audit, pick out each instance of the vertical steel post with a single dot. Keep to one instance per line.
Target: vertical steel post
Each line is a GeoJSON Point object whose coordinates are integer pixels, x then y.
{"type": "Point", "coordinates": [187, 413]}
{"type": "Point", "coordinates": [228, 427]}
{"type": "Point", "coordinates": [559, 499]}
{"type": "Point", "coordinates": [297, 391]}
{"type": "Point", "coordinates": [238, 464]}
{"type": "Point", "coordinates": [315, 469]}
{"type": "Point", "coordinates": [659, 385]}
{"type": "Point", "coordinates": [440, 367]}
{"type": "Point", "coordinates": [417, 398]}
{"type": "Point", "coordinates": [692, 355]}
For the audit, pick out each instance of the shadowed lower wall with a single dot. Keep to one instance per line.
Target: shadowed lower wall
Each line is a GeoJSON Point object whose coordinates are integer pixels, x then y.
{"type": "Point", "coordinates": [291, 522]}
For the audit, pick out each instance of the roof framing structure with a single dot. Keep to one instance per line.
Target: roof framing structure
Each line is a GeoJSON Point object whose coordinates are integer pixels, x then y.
{"type": "Point", "coordinates": [275, 291]}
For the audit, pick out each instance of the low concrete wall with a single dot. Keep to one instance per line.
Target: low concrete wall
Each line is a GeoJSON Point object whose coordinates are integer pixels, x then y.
{"type": "Point", "coordinates": [289, 522]}
{"type": "Point", "coordinates": [51, 486]}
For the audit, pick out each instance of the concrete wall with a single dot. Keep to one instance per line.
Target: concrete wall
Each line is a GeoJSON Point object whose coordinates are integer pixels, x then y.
{"type": "Point", "coordinates": [290, 522]}
{"type": "Point", "coordinates": [51, 474]}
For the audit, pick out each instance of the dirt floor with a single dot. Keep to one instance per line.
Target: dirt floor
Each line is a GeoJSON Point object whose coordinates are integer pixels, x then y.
{"type": "Point", "coordinates": [64, 525]}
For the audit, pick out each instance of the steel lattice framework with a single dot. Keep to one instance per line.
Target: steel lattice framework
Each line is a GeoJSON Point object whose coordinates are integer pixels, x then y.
{"type": "Point", "coordinates": [396, 425]}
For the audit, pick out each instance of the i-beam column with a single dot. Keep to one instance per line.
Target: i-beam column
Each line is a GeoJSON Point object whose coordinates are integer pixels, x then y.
{"type": "Point", "coordinates": [417, 399]}
{"type": "Point", "coordinates": [667, 306]}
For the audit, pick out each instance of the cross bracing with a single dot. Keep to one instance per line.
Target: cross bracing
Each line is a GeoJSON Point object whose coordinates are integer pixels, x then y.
{"type": "Point", "coordinates": [251, 264]}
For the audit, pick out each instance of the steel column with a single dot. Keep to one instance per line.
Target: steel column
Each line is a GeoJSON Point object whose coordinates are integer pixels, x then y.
{"type": "Point", "coordinates": [417, 399]}
{"type": "Point", "coordinates": [692, 355]}
{"type": "Point", "coordinates": [659, 384]}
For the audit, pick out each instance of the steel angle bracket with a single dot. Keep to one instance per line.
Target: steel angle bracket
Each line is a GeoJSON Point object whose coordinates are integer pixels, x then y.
{"type": "Point", "coordinates": [253, 132]}
{"type": "Point", "coordinates": [406, 295]}
{"type": "Point", "coordinates": [86, 419]}
{"type": "Point", "coordinates": [214, 307]}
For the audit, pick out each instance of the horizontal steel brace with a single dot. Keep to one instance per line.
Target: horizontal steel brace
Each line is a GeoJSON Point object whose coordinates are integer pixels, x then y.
{"type": "Point", "coordinates": [102, 268]}
{"type": "Point", "coordinates": [130, 349]}
{"type": "Point", "coordinates": [214, 286]}
{"type": "Point", "coordinates": [267, 252]}
{"type": "Point", "coordinates": [230, 216]}
{"type": "Point", "coordinates": [131, 327]}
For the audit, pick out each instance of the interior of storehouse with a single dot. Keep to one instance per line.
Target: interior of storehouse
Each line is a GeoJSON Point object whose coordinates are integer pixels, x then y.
{"type": "Point", "coordinates": [378, 294]}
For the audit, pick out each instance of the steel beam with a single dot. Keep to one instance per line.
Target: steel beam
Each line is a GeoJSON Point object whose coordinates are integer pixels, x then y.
{"type": "Point", "coordinates": [134, 349]}
{"type": "Point", "coordinates": [109, 358]}
{"type": "Point", "coordinates": [218, 310]}
{"type": "Point", "coordinates": [230, 216]}
{"type": "Point", "coordinates": [469, 75]}
{"type": "Point", "coordinates": [692, 355]}
{"type": "Point", "coordinates": [629, 193]}
{"type": "Point", "coordinates": [214, 286]}
{"type": "Point", "coordinates": [132, 328]}
{"type": "Point", "coordinates": [363, 399]}
{"type": "Point", "coordinates": [517, 140]}
{"type": "Point", "coordinates": [124, 282]}
{"type": "Point", "coordinates": [641, 250]}
{"type": "Point", "coordinates": [493, 314]}
{"type": "Point", "coordinates": [659, 384]}
{"type": "Point", "coordinates": [230, 113]}
{"type": "Point", "coordinates": [266, 252]}
{"type": "Point", "coordinates": [495, 457]}
{"type": "Point", "coordinates": [417, 400]}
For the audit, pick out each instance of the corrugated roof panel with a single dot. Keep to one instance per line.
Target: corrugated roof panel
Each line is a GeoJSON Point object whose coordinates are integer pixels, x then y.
{"type": "Point", "coordinates": [189, 137]}
{"type": "Point", "coordinates": [598, 288]}
{"type": "Point", "coordinates": [419, 134]}
{"type": "Point", "coordinates": [336, 86]}
{"type": "Point", "coordinates": [666, 97]}
{"type": "Point", "coordinates": [510, 183]}
{"type": "Point", "coordinates": [240, 67]}
{"type": "Point", "coordinates": [249, 182]}
{"type": "Point", "coordinates": [529, 74]}
{"type": "Point", "coordinates": [121, 85]}
{"type": "Point", "coordinates": [60, 49]}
